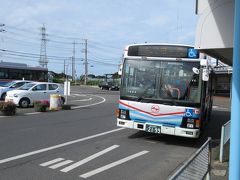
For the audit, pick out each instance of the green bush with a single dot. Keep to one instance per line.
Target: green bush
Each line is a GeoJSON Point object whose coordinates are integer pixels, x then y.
{"type": "Point", "coordinates": [40, 106]}
{"type": "Point", "coordinates": [58, 80]}
{"type": "Point", "coordinates": [93, 82]}
{"type": "Point", "coordinates": [8, 108]}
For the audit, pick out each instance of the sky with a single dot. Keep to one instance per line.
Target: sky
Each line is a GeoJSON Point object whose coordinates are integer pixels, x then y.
{"type": "Point", "coordinates": [108, 26]}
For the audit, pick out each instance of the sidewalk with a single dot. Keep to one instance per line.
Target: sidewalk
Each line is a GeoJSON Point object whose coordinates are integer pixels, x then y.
{"type": "Point", "coordinates": [220, 170]}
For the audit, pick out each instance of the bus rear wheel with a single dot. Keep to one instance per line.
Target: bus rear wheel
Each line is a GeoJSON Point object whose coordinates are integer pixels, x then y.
{"type": "Point", "coordinates": [24, 102]}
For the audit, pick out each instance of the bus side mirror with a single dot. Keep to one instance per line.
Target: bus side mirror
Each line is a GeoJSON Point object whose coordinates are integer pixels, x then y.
{"type": "Point", "coordinates": [120, 70]}
{"type": "Point", "coordinates": [205, 75]}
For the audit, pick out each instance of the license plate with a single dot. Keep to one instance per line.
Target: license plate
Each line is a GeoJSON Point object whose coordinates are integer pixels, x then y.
{"type": "Point", "coordinates": [153, 129]}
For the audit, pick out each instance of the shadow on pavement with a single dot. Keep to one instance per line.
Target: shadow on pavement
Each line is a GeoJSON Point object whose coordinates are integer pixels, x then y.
{"type": "Point", "coordinates": [213, 130]}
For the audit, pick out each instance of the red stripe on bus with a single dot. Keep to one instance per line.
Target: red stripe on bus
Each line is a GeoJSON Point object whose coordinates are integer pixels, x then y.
{"type": "Point", "coordinates": [166, 114]}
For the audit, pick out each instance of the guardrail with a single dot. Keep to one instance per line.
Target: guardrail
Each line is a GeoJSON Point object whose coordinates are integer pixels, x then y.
{"type": "Point", "coordinates": [225, 136]}
{"type": "Point", "coordinates": [198, 166]}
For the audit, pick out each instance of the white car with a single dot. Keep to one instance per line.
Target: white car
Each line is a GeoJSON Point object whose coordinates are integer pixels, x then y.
{"type": "Point", "coordinates": [37, 91]}
{"type": "Point", "coordinates": [11, 86]}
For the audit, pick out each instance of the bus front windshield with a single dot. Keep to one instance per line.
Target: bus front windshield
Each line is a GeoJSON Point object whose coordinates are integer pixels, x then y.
{"type": "Point", "coordinates": [161, 82]}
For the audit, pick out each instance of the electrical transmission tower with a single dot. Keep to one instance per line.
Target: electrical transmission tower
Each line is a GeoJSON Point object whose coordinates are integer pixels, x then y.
{"type": "Point", "coordinates": [43, 54]}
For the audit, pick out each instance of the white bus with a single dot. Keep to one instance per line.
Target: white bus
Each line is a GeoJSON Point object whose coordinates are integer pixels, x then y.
{"type": "Point", "coordinates": [165, 89]}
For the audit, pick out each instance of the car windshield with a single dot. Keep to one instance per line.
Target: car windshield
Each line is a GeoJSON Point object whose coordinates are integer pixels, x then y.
{"type": "Point", "coordinates": [165, 81]}
{"type": "Point", "coordinates": [8, 84]}
{"type": "Point", "coordinates": [27, 86]}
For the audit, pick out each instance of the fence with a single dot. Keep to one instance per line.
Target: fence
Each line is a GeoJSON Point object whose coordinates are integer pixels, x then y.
{"type": "Point", "coordinates": [198, 166]}
{"type": "Point", "coordinates": [225, 136]}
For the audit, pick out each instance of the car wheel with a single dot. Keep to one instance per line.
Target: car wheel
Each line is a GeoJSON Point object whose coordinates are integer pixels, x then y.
{"type": "Point", "coordinates": [3, 96]}
{"type": "Point", "coordinates": [24, 102]}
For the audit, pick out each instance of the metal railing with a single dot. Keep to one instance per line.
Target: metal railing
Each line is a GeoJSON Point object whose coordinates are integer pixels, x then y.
{"type": "Point", "coordinates": [225, 136]}
{"type": "Point", "coordinates": [198, 166]}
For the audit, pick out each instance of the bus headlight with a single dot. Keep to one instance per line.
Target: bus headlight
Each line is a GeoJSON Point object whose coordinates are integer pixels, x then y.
{"type": "Point", "coordinates": [123, 114]}
{"type": "Point", "coordinates": [190, 123]}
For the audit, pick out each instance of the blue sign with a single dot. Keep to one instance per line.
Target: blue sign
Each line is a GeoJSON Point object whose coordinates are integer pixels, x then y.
{"type": "Point", "coordinates": [193, 53]}
{"type": "Point", "coordinates": [189, 113]}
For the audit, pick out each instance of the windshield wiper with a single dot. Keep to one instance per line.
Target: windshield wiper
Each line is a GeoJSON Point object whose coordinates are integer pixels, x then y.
{"type": "Point", "coordinates": [140, 97]}
{"type": "Point", "coordinates": [171, 102]}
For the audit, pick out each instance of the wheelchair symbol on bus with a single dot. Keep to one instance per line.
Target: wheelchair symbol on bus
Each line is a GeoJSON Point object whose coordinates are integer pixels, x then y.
{"type": "Point", "coordinates": [192, 53]}
{"type": "Point", "coordinates": [189, 113]}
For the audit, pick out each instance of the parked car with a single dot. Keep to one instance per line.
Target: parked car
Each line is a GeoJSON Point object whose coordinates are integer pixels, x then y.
{"type": "Point", "coordinates": [11, 86]}
{"type": "Point", "coordinates": [37, 91]}
{"type": "Point", "coordinates": [108, 86]}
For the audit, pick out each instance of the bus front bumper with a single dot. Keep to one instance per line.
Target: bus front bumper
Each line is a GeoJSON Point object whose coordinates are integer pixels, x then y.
{"type": "Point", "coordinates": [169, 130]}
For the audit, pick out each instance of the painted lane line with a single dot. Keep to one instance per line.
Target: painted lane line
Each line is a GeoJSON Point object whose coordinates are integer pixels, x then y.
{"type": "Point", "coordinates": [27, 114]}
{"type": "Point", "coordinates": [58, 146]}
{"type": "Point", "coordinates": [51, 162]}
{"type": "Point", "coordinates": [77, 107]}
{"type": "Point", "coordinates": [60, 164]}
{"type": "Point", "coordinates": [78, 95]}
{"type": "Point", "coordinates": [89, 99]}
{"type": "Point", "coordinates": [79, 163]}
{"type": "Point", "coordinates": [116, 163]}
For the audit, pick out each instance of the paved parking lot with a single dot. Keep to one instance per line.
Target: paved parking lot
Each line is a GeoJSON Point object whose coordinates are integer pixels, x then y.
{"type": "Point", "coordinates": [85, 143]}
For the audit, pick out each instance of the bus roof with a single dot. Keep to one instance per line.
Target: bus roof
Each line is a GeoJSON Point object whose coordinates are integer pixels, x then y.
{"type": "Point", "coordinates": [167, 44]}
{"type": "Point", "coordinates": [11, 65]}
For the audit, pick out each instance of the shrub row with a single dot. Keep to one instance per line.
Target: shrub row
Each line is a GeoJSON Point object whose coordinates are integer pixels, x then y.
{"type": "Point", "coordinates": [8, 108]}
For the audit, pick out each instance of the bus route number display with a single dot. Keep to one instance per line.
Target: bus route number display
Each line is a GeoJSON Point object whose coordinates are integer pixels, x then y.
{"type": "Point", "coordinates": [163, 51]}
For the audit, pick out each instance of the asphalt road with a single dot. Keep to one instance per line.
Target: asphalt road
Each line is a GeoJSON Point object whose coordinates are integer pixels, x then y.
{"type": "Point", "coordinates": [85, 143]}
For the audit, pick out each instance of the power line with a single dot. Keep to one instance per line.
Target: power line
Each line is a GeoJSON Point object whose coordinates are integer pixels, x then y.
{"type": "Point", "coordinates": [36, 55]}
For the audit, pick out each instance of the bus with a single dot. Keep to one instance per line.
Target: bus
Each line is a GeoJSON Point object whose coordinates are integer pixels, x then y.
{"type": "Point", "coordinates": [17, 71]}
{"type": "Point", "coordinates": [165, 89]}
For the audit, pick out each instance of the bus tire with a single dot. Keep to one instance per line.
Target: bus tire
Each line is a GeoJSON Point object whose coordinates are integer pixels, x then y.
{"type": "Point", "coordinates": [3, 96]}
{"type": "Point", "coordinates": [24, 102]}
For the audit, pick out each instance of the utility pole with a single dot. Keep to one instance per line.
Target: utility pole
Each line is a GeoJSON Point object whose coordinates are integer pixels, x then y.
{"type": "Point", "coordinates": [64, 64]}
{"type": "Point", "coordinates": [73, 63]}
{"type": "Point", "coordinates": [2, 30]}
{"type": "Point", "coordinates": [86, 63]}
{"type": "Point", "coordinates": [43, 54]}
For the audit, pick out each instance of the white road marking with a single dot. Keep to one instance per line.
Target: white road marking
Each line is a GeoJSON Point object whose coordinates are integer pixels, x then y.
{"type": "Point", "coordinates": [103, 100]}
{"type": "Point", "coordinates": [89, 99]}
{"type": "Point", "coordinates": [116, 163]}
{"type": "Point", "coordinates": [55, 166]}
{"type": "Point", "coordinates": [78, 95]}
{"type": "Point", "coordinates": [57, 146]}
{"type": "Point", "coordinates": [32, 113]}
{"type": "Point", "coordinates": [220, 108]}
{"type": "Point", "coordinates": [79, 163]}
{"type": "Point", "coordinates": [51, 162]}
